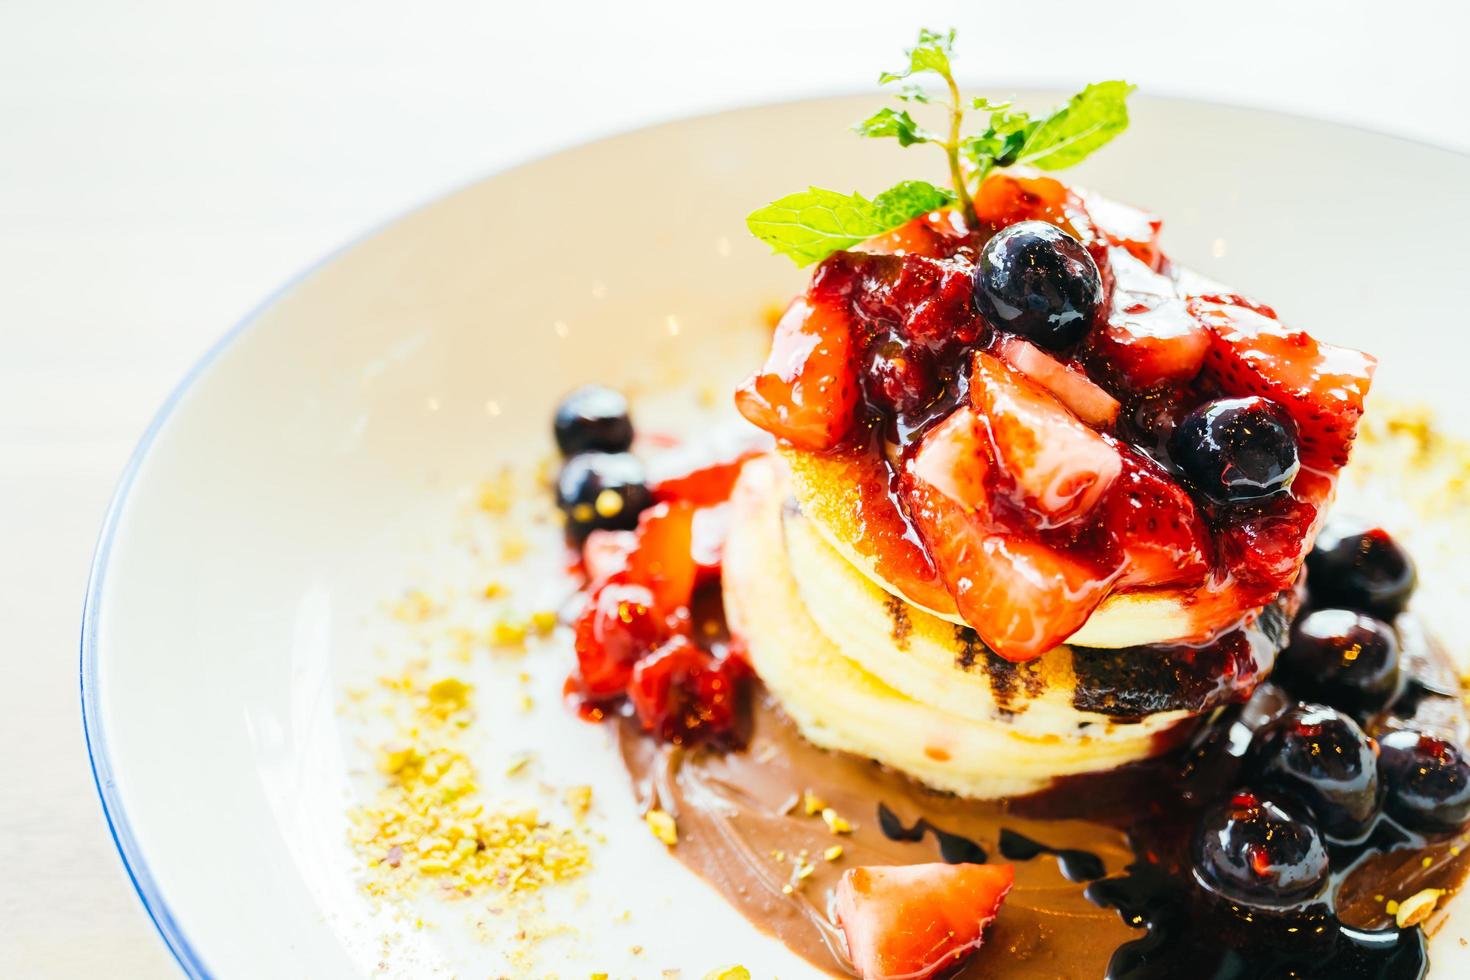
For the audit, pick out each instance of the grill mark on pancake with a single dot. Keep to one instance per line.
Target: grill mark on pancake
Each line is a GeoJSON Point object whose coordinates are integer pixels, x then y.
{"type": "Point", "coordinates": [1005, 677]}
{"type": "Point", "coordinates": [898, 618]}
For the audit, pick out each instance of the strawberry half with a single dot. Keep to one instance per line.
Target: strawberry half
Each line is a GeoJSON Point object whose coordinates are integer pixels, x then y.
{"type": "Point", "coordinates": [1021, 596]}
{"type": "Point", "coordinates": [1149, 338]}
{"type": "Point", "coordinates": [913, 921]}
{"type": "Point", "coordinates": [1321, 386]}
{"type": "Point", "coordinates": [663, 560]}
{"type": "Point", "coordinates": [807, 392]}
{"type": "Point", "coordinates": [1164, 539]}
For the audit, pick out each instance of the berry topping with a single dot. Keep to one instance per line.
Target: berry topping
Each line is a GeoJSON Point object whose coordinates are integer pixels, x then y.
{"type": "Point", "coordinates": [592, 419]}
{"type": "Point", "coordinates": [618, 626]}
{"type": "Point", "coordinates": [806, 393]}
{"type": "Point", "coordinates": [1321, 757]}
{"type": "Point", "coordinates": [683, 693]}
{"type": "Point", "coordinates": [601, 491]}
{"type": "Point", "coordinates": [1322, 387]}
{"type": "Point", "coordinates": [1060, 467]}
{"type": "Point", "coordinates": [917, 921]}
{"type": "Point", "coordinates": [1035, 280]}
{"type": "Point", "coordinates": [1360, 567]}
{"type": "Point", "coordinates": [1259, 850]}
{"type": "Point", "coordinates": [1344, 658]}
{"type": "Point", "coordinates": [1150, 338]}
{"type": "Point", "coordinates": [1236, 448]}
{"type": "Point", "coordinates": [1426, 781]}
{"type": "Point", "coordinates": [1071, 386]}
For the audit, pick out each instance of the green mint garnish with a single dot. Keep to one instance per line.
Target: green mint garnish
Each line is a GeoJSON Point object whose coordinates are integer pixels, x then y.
{"type": "Point", "coordinates": [813, 224]}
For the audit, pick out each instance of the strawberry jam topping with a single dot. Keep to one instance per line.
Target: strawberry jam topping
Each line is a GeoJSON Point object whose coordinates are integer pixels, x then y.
{"type": "Point", "coordinates": [650, 637]}
{"type": "Point", "coordinates": [1032, 475]}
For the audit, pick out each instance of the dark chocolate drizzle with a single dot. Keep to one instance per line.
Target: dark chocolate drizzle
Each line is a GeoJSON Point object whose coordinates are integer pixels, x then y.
{"type": "Point", "coordinates": [953, 848]}
{"type": "Point", "coordinates": [1075, 864]}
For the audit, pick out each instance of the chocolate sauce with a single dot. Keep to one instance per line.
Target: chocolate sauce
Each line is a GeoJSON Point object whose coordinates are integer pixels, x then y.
{"type": "Point", "coordinates": [1075, 865]}
{"type": "Point", "coordinates": [953, 848]}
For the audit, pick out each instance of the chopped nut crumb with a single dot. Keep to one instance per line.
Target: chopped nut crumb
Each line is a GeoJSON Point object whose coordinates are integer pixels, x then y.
{"type": "Point", "coordinates": [662, 826]}
{"type": "Point", "coordinates": [415, 607]}
{"type": "Point", "coordinates": [1417, 907]}
{"type": "Point", "coordinates": [506, 633]}
{"type": "Point", "coordinates": [579, 801]}
{"type": "Point", "coordinates": [494, 590]}
{"type": "Point", "coordinates": [1391, 907]}
{"type": "Point", "coordinates": [728, 973]}
{"type": "Point", "coordinates": [513, 547]}
{"type": "Point", "coordinates": [497, 495]}
{"type": "Point", "coordinates": [812, 803]}
{"type": "Point", "coordinates": [519, 763]}
{"type": "Point", "coordinates": [835, 823]}
{"type": "Point", "coordinates": [832, 853]}
{"type": "Point", "coordinates": [787, 890]}
{"type": "Point", "coordinates": [543, 621]}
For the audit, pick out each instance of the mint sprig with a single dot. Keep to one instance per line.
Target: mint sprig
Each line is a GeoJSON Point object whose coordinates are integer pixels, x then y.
{"type": "Point", "coordinates": [810, 225]}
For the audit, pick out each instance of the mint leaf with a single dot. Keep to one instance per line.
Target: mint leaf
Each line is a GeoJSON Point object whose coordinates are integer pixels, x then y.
{"type": "Point", "coordinates": [930, 54]}
{"type": "Point", "coordinates": [1086, 123]}
{"type": "Point", "coordinates": [905, 201]}
{"type": "Point", "coordinates": [898, 124]}
{"type": "Point", "coordinates": [810, 225]}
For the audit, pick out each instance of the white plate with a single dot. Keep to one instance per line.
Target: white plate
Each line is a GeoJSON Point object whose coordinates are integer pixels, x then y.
{"type": "Point", "coordinates": [306, 468]}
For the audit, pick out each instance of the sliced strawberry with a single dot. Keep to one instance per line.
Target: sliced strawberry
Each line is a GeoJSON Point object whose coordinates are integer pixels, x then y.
{"type": "Point", "coordinates": [1005, 199]}
{"type": "Point", "coordinates": [910, 922]}
{"type": "Point", "coordinates": [1163, 537]}
{"type": "Point", "coordinates": [705, 485]}
{"type": "Point", "coordinates": [711, 528]}
{"type": "Point", "coordinates": [954, 458]}
{"type": "Point", "coordinates": [1073, 388]}
{"type": "Point", "coordinates": [1265, 551]}
{"type": "Point", "coordinates": [935, 235]}
{"type": "Point", "coordinates": [1321, 386]}
{"type": "Point", "coordinates": [605, 554]}
{"type": "Point", "coordinates": [616, 628]}
{"type": "Point", "coordinates": [1126, 227]}
{"type": "Point", "coordinates": [664, 558]}
{"type": "Point", "coordinates": [1022, 597]}
{"type": "Point", "coordinates": [682, 692]}
{"type": "Point", "coordinates": [1149, 338]}
{"type": "Point", "coordinates": [806, 393]}
{"type": "Point", "coordinates": [1061, 468]}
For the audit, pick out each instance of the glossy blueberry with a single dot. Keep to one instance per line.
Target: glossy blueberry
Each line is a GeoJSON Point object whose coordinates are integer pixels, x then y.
{"type": "Point", "coordinates": [1426, 781]}
{"type": "Point", "coordinates": [1237, 448]}
{"type": "Point", "coordinates": [602, 491]}
{"type": "Point", "coordinates": [1260, 850]}
{"type": "Point", "coordinates": [1344, 658]}
{"type": "Point", "coordinates": [1321, 757]}
{"type": "Point", "coordinates": [1036, 280]}
{"type": "Point", "coordinates": [1361, 567]}
{"type": "Point", "coordinates": [592, 419]}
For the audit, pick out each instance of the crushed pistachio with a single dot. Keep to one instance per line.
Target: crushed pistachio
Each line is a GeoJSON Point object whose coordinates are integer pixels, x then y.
{"type": "Point", "coordinates": [728, 973]}
{"type": "Point", "coordinates": [513, 547]}
{"type": "Point", "coordinates": [543, 621]}
{"type": "Point", "coordinates": [497, 494]}
{"type": "Point", "coordinates": [1417, 907]}
{"type": "Point", "coordinates": [662, 826]}
{"type": "Point", "coordinates": [506, 632]}
{"type": "Point", "coordinates": [835, 823]}
{"type": "Point", "coordinates": [579, 801]}
{"type": "Point", "coordinates": [812, 804]}
{"type": "Point", "coordinates": [519, 763]}
{"type": "Point", "coordinates": [1391, 907]}
{"type": "Point", "coordinates": [494, 590]}
{"type": "Point", "coordinates": [832, 853]}
{"type": "Point", "coordinates": [415, 607]}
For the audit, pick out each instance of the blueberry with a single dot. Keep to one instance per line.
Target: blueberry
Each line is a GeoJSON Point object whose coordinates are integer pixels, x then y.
{"type": "Point", "coordinates": [1036, 280]}
{"type": "Point", "coordinates": [602, 491]}
{"type": "Point", "coordinates": [1361, 567]}
{"type": "Point", "coordinates": [1237, 448]}
{"type": "Point", "coordinates": [1321, 757]}
{"type": "Point", "coordinates": [1260, 850]}
{"type": "Point", "coordinates": [593, 419]}
{"type": "Point", "coordinates": [1342, 657]}
{"type": "Point", "coordinates": [1426, 781]}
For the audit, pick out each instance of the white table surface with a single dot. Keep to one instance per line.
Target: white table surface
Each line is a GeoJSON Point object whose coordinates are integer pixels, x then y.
{"type": "Point", "coordinates": [164, 164]}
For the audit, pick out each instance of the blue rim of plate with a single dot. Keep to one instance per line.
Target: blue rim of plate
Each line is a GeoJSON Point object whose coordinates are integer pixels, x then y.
{"type": "Point", "coordinates": [147, 889]}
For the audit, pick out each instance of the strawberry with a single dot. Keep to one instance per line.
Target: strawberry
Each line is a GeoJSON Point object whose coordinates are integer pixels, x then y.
{"type": "Point", "coordinates": [1149, 338]}
{"type": "Point", "coordinates": [1021, 596]}
{"type": "Point", "coordinates": [1126, 227]}
{"type": "Point", "coordinates": [616, 628]}
{"type": "Point", "coordinates": [1061, 468]}
{"type": "Point", "coordinates": [605, 554]}
{"type": "Point", "coordinates": [1005, 199]}
{"type": "Point", "coordinates": [663, 561]}
{"type": "Point", "coordinates": [935, 235]}
{"type": "Point", "coordinates": [954, 459]}
{"type": "Point", "coordinates": [911, 922]}
{"type": "Point", "coordinates": [806, 393]}
{"type": "Point", "coordinates": [1164, 539]}
{"type": "Point", "coordinates": [1073, 388]}
{"type": "Point", "coordinates": [1321, 386]}
{"type": "Point", "coordinates": [682, 692]}
{"type": "Point", "coordinates": [706, 484]}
